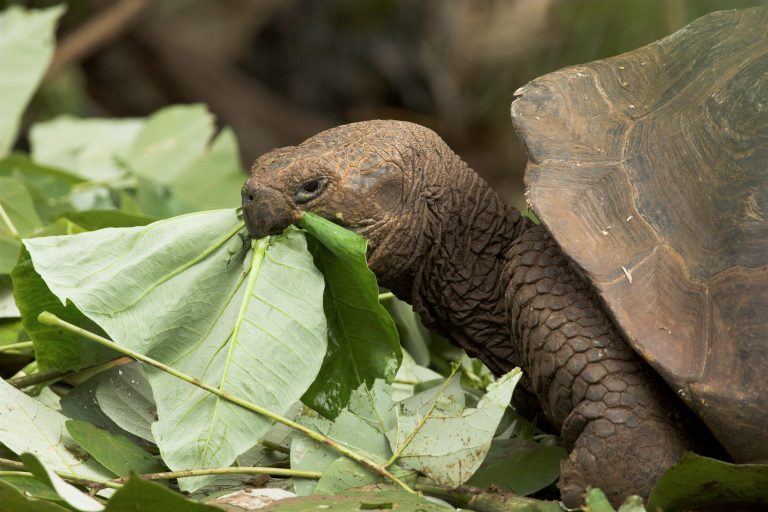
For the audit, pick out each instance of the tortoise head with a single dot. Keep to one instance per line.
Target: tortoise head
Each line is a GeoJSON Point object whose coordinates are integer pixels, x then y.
{"type": "Point", "coordinates": [370, 177]}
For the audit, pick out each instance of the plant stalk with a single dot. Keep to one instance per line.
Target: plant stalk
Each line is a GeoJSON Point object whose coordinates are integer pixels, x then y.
{"type": "Point", "coordinates": [16, 346]}
{"type": "Point", "coordinates": [167, 475]}
{"type": "Point", "coordinates": [9, 223]}
{"type": "Point", "coordinates": [47, 318]}
{"type": "Point", "coordinates": [66, 476]}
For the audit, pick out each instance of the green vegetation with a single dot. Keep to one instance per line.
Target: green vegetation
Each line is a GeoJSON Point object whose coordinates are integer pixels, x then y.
{"type": "Point", "coordinates": [269, 357]}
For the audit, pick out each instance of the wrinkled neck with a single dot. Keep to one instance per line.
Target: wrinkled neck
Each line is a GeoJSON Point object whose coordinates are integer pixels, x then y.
{"type": "Point", "coordinates": [457, 286]}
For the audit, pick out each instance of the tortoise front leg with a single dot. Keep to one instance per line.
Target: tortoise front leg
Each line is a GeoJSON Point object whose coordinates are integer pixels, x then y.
{"type": "Point", "coordinates": [620, 421]}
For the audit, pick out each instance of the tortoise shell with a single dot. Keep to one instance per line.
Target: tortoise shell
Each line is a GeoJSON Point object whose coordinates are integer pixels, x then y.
{"type": "Point", "coordinates": [650, 169]}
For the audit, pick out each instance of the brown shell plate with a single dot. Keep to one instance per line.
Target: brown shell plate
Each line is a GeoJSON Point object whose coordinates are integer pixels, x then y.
{"type": "Point", "coordinates": [650, 169]}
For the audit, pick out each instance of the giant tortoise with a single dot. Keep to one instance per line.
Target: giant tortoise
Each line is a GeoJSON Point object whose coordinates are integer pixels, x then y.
{"type": "Point", "coordinates": [643, 293]}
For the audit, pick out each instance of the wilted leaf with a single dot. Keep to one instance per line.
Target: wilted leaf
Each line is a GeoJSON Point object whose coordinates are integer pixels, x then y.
{"type": "Point", "coordinates": [29, 426]}
{"type": "Point", "coordinates": [519, 465]}
{"type": "Point", "coordinates": [90, 148]}
{"type": "Point", "coordinates": [26, 48]}
{"type": "Point", "coordinates": [699, 482]}
{"type": "Point", "coordinates": [138, 494]}
{"type": "Point", "coordinates": [189, 292]}
{"type": "Point", "coordinates": [69, 493]}
{"type": "Point", "coordinates": [450, 444]}
{"type": "Point", "coordinates": [113, 451]}
{"type": "Point", "coordinates": [362, 341]}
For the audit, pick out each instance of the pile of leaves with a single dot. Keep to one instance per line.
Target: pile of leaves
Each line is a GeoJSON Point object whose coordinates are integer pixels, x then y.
{"type": "Point", "coordinates": [154, 357]}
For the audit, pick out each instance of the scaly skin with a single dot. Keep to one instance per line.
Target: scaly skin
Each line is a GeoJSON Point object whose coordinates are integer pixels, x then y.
{"type": "Point", "coordinates": [489, 280]}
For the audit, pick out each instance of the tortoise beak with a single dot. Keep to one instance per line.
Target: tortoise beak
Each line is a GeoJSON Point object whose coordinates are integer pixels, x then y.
{"type": "Point", "coordinates": [266, 211]}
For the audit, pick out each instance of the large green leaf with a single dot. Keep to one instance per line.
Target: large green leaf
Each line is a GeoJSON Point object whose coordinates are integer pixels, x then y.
{"type": "Point", "coordinates": [113, 451]}
{"type": "Point", "coordinates": [700, 482]}
{"type": "Point", "coordinates": [362, 340]}
{"type": "Point", "coordinates": [40, 430]}
{"type": "Point", "coordinates": [26, 47]}
{"type": "Point", "coordinates": [93, 149]}
{"type": "Point", "coordinates": [189, 292]}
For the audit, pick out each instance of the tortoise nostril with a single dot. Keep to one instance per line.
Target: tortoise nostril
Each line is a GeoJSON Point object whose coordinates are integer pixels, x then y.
{"type": "Point", "coordinates": [250, 197]}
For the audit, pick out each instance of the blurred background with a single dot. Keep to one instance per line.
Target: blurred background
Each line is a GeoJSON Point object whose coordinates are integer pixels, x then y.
{"type": "Point", "coordinates": [278, 71]}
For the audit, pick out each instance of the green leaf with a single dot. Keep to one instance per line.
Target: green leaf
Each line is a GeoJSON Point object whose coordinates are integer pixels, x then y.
{"type": "Point", "coordinates": [92, 220]}
{"type": "Point", "coordinates": [410, 375]}
{"type": "Point", "coordinates": [9, 253]}
{"type": "Point", "coordinates": [22, 220]}
{"type": "Point", "coordinates": [125, 396]}
{"type": "Point", "coordinates": [596, 501]}
{"type": "Point", "coordinates": [26, 48]}
{"type": "Point", "coordinates": [189, 292]}
{"type": "Point", "coordinates": [31, 487]}
{"type": "Point", "coordinates": [362, 340]}
{"type": "Point", "coordinates": [8, 307]}
{"type": "Point", "coordinates": [171, 139]}
{"type": "Point", "coordinates": [519, 465]}
{"type": "Point", "coordinates": [361, 426]}
{"type": "Point", "coordinates": [413, 335]}
{"type": "Point", "coordinates": [69, 493]}
{"type": "Point", "coordinates": [54, 347]}
{"type": "Point", "coordinates": [138, 494]}
{"type": "Point", "coordinates": [118, 400]}
{"type": "Point", "coordinates": [12, 499]}
{"type": "Point", "coordinates": [114, 452]}
{"type": "Point", "coordinates": [40, 430]}
{"type": "Point", "coordinates": [368, 498]}
{"type": "Point", "coordinates": [450, 443]}
{"type": "Point", "coordinates": [17, 203]}
{"type": "Point", "coordinates": [51, 188]}
{"type": "Point", "coordinates": [90, 148]}
{"type": "Point", "coordinates": [700, 482]}
{"type": "Point", "coordinates": [213, 180]}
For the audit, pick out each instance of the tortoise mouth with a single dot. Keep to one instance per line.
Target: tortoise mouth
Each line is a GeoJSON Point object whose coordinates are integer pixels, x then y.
{"type": "Point", "coordinates": [266, 212]}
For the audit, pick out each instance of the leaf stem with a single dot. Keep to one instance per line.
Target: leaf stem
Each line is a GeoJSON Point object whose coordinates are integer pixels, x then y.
{"type": "Point", "coordinates": [9, 223]}
{"type": "Point", "coordinates": [423, 419]}
{"type": "Point", "coordinates": [47, 318]}
{"type": "Point", "coordinates": [167, 475]}
{"type": "Point", "coordinates": [16, 346]}
{"type": "Point", "coordinates": [73, 377]}
{"type": "Point", "coordinates": [89, 482]}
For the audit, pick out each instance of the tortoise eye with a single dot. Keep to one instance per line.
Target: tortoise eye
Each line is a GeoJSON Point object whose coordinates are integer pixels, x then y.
{"type": "Point", "coordinates": [309, 190]}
